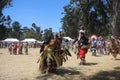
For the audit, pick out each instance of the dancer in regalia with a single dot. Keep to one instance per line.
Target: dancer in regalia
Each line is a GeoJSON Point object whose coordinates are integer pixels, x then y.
{"type": "Point", "coordinates": [114, 47]}
{"type": "Point", "coordinates": [82, 46]}
{"type": "Point", "coordinates": [52, 55]}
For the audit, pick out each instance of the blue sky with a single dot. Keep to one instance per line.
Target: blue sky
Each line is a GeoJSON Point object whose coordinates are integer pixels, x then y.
{"type": "Point", "coordinates": [45, 13]}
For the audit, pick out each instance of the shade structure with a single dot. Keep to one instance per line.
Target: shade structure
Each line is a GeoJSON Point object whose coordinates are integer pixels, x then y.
{"type": "Point", "coordinates": [29, 40]}
{"type": "Point", "coordinates": [68, 38]}
{"type": "Point", "coordinates": [11, 40]}
{"type": "Point", "coordinates": [40, 41]}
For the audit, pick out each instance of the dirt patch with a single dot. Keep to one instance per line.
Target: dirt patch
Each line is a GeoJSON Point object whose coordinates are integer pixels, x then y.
{"type": "Point", "coordinates": [25, 67]}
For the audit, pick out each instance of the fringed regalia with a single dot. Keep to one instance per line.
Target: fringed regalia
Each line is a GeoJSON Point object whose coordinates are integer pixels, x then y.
{"type": "Point", "coordinates": [48, 60]}
{"type": "Point", "coordinates": [53, 57]}
{"type": "Point", "coordinates": [114, 47]}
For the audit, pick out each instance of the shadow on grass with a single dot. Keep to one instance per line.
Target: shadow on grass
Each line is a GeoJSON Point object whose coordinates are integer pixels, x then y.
{"type": "Point", "coordinates": [69, 71]}
{"type": "Point", "coordinates": [98, 56]}
{"type": "Point", "coordinates": [67, 74]}
{"type": "Point", "coordinates": [106, 75]}
{"type": "Point", "coordinates": [73, 74]}
{"type": "Point", "coordinates": [117, 68]}
{"type": "Point", "coordinates": [117, 59]}
{"type": "Point", "coordinates": [90, 64]}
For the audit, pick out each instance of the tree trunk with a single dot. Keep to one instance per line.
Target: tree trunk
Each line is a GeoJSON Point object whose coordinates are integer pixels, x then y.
{"type": "Point", "coordinates": [114, 18]}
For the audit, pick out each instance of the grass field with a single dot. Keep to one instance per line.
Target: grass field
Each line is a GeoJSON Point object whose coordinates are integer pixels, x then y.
{"type": "Point", "coordinates": [25, 67]}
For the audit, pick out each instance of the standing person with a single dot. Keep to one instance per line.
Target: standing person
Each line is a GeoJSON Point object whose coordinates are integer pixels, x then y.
{"type": "Point", "coordinates": [93, 46]}
{"type": "Point", "coordinates": [82, 46]}
{"type": "Point", "coordinates": [103, 44]}
{"type": "Point", "coordinates": [108, 47]}
{"type": "Point", "coordinates": [99, 45]}
{"type": "Point", "coordinates": [26, 48]}
{"type": "Point", "coordinates": [20, 48]}
{"type": "Point", "coordinates": [15, 49]}
{"type": "Point", "coordinates": [10, 48]}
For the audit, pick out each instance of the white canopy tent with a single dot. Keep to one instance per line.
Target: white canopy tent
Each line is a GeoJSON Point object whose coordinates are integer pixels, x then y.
{"type": "Point", "coordinates": [68, 38]}
{"type": "Point", "coordinates": [29, 40]}
{"type": "Point", "coordinates": [11, 40]}
{"type": "Point", "coordinates": [40, 42]}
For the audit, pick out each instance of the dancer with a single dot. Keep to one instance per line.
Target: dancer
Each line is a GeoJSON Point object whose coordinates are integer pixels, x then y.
{"type": "Point", "coordinates": [82, 46]}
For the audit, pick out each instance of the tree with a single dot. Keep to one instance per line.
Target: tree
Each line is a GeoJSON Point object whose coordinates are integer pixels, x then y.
{"type": "Point", "coordinates": [2, 32]}
{"type": "Point", "coordinates": [92, 14]}
{"type": "Point", "coordinates": [70, 21]}
{"type": "Point", "coordinates": [5, 27]}
{"type": "Point", "coordinates": [3, 20]}
{"type": "Point", "coordinates": [48, 34]}
{"type": "Point", "coordinates": [34, 32]}
{"type": "Point", "coordinates": [114, 8]}
{"type": "Point", "coordinates": [3, 4]}
{"type": "Point", "coordinates": [16, 30]}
